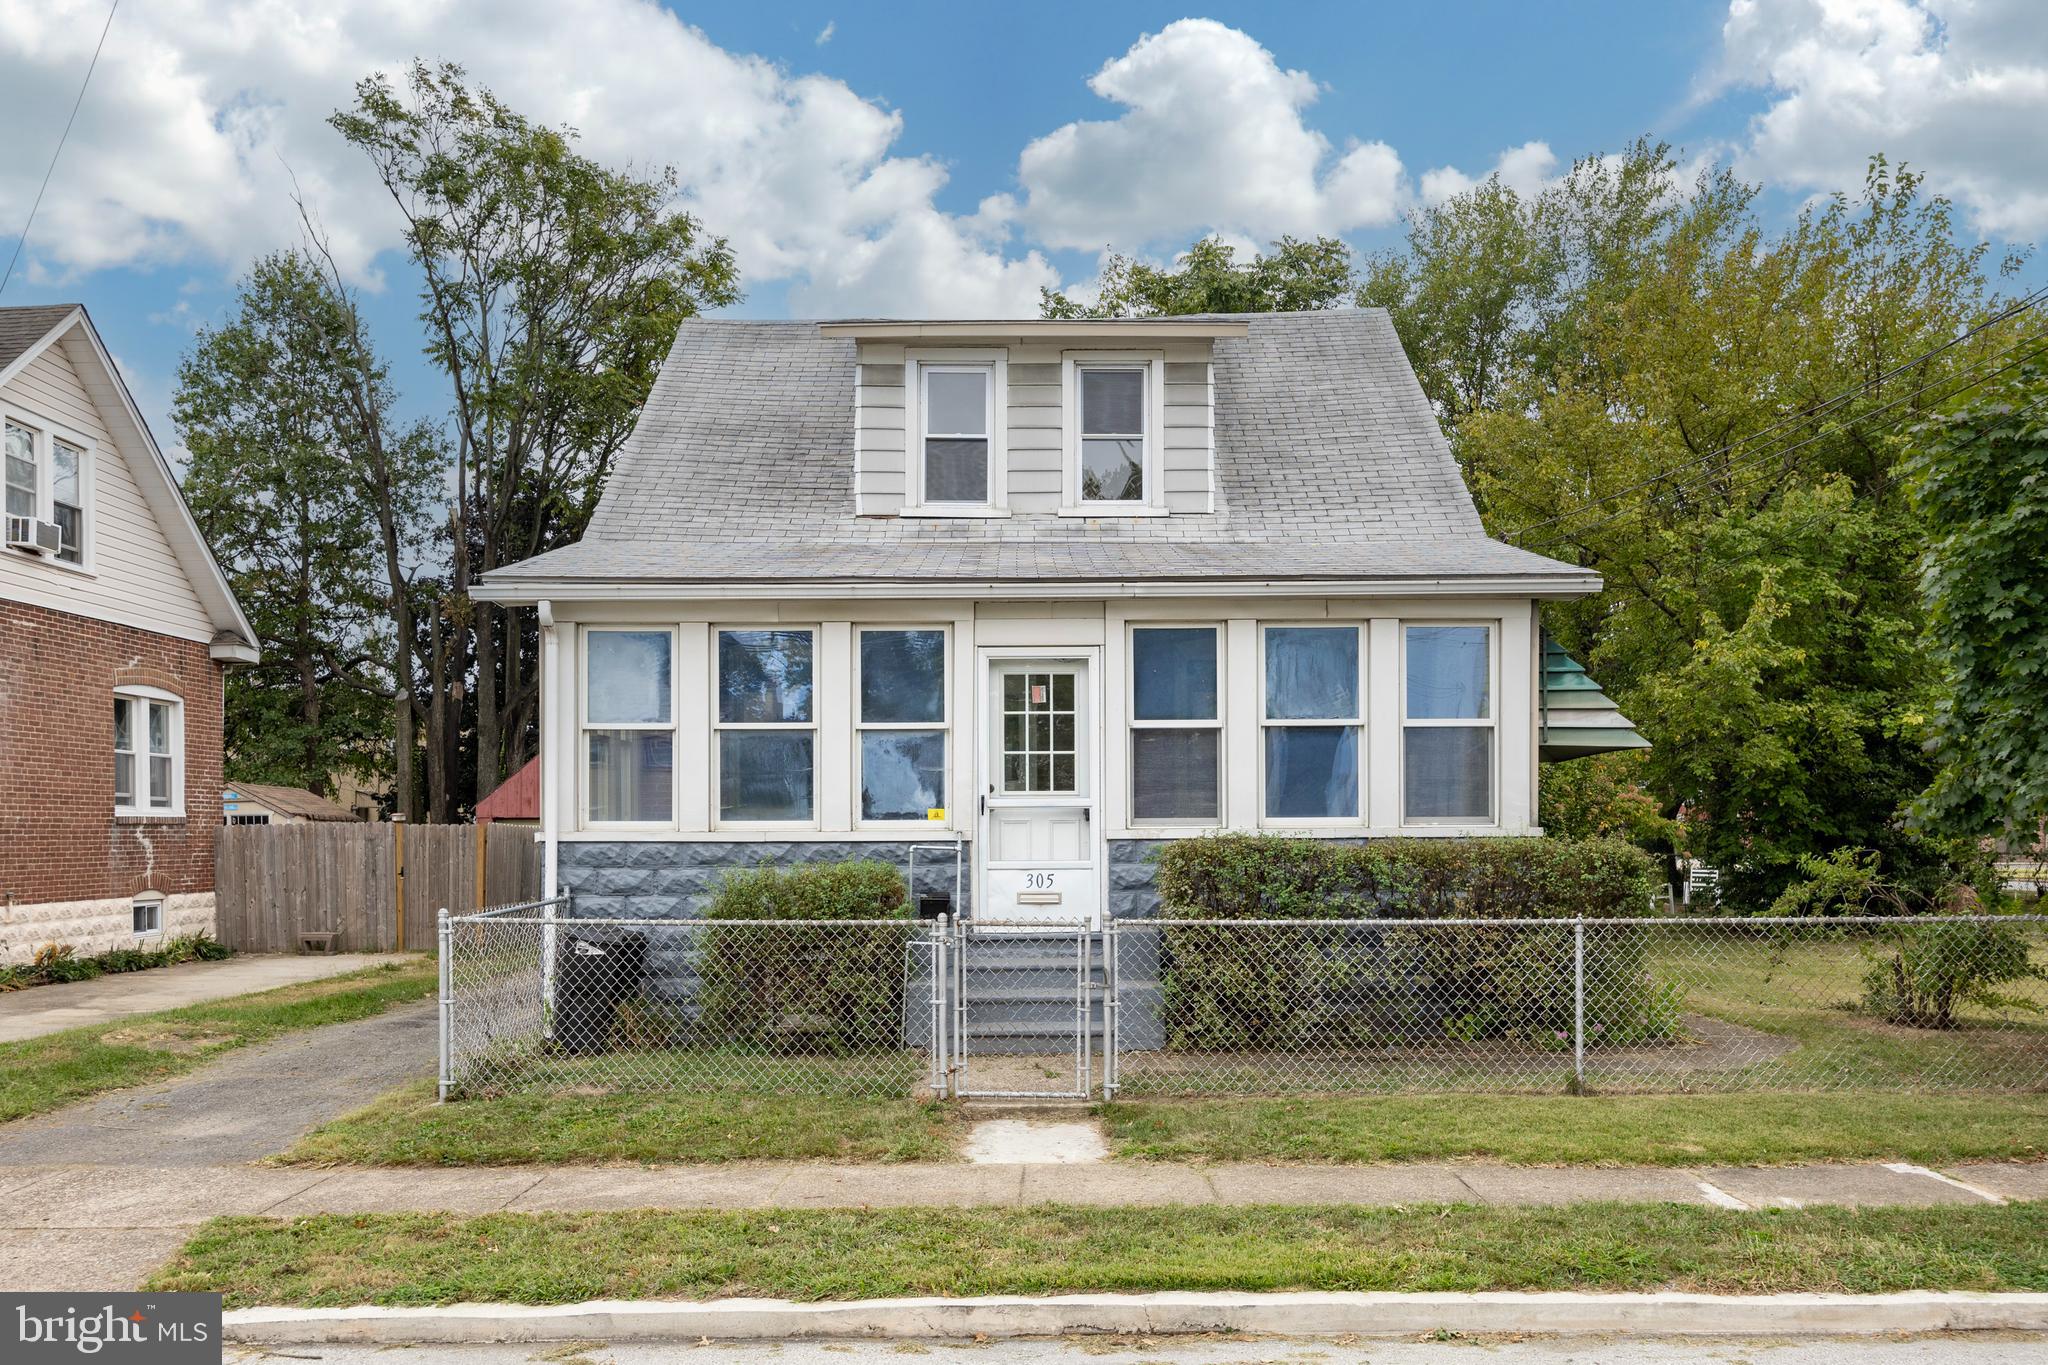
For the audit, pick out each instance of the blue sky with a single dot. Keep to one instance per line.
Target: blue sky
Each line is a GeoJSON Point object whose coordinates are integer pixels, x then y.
{"type": "Point", "coordinates": [924, 158]}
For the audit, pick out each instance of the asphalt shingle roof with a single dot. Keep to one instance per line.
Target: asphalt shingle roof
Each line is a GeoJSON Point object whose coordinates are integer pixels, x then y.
{"type": "Point", "coordinates": [1330, 464]}
{"type": "Point", "coordinates": [21, 328]}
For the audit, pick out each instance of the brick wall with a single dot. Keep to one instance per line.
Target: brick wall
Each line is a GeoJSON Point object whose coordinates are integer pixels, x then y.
{"type": "Point", "coordinates": [59, 837]}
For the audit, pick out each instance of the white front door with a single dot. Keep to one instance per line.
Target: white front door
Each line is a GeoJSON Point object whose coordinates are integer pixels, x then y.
{"type": "Point", "coordinates": [1039, 839]}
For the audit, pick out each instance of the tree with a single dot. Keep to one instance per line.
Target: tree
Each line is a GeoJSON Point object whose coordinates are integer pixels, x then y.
{"type": "Point", "coordinates": [1979, 478]}
{"type": "Point", "coordinates": [551, 289]}
{"type": "Point", "coordinates": [1295, 276]}
{"type": "Point", "coordinates": [290, 483]}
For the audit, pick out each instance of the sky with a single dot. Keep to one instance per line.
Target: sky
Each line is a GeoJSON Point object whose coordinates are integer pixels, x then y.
{"type": "Point", "coordinates": [920, 159]}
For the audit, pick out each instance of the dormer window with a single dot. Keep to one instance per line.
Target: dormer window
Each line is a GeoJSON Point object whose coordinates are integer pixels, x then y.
{"type": "Point", "coordinates": [1114, 412]}
{"type": "Point", "coordinates": [956, 444]}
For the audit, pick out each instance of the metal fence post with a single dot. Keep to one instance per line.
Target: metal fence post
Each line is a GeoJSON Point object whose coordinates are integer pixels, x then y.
{"type": "Point", "coordinates": [937, 1042]}
{"type": "Point", "coordinates": [446, 938]}
{"type": "Point", "coordinates": [1579, 1004]}
{"type": "Point", "coordinates": [1112, 1015]}
{"type": "Point", "coordinates": [547, 961]}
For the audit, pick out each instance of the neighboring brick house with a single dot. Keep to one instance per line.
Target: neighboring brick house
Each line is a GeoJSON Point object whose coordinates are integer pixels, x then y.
{"type": "Point", "coordinates": [115, 627]}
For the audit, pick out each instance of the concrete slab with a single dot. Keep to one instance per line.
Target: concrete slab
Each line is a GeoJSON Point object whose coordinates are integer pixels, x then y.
{"type": "Point", "coordinates": [596, 1188]}
{"type": "Point", "coordinates": [2006, 1179]}
{"type": "Point", "coordinates": [1547, 1185]}
{"type": "Point", "coordinates": [75, 1004]}
{"type": "Point", "coordinates": [1418, 1184]}
{"type": "Point", "coordinates": [145, 1197]}
{"type": "Point", "coordinates": [408, 1191]}
{"type": "Point", "coordinates": [83, 1258]}
{"type": "Point", "coordinates": [1858, 1186]}
{"type": "Point", "coordinates": [1133, 1183]}
{"type": "Point", "coordinates": [919, 1186]}
{"type": "Point", "coordinates": [1012, 1142]}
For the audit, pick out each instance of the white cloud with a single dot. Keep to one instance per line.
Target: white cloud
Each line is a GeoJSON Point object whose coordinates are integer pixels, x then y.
{"type": "Point", "coordinates": [1956, 88]}
{"type": "Point", "coordinates": [1212, 138]}
{"type": "Point", "coordinates": [1524, 169]}
{"type": "Point", "coordinates": [203, 112]}
{"type": "Point", "coordinates": [825, 33]}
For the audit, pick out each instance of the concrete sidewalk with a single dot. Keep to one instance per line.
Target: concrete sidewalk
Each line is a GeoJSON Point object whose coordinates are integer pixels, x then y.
{"type": "Point", "coordinates": [100, 1227]}
{"type": "Point", "coordinates": [75, 1004]}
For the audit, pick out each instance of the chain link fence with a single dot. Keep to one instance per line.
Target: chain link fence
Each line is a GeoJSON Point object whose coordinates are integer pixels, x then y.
{"type": "Point", "coordinates": [1228, 1007]}
{"type": "Point", "coordinates": [534, 999]}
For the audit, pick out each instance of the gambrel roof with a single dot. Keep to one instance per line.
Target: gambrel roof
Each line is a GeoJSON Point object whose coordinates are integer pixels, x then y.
{"type": "Point", "coordinates": [1330, 466]}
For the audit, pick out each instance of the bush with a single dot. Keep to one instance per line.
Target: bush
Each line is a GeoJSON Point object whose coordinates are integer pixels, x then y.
{"type": "Point", "coordinates": [55, 962]}
{"type": "Point", "coordinates": [1924, 972]}
{"type": "Point", "coordinates": [1296, 988]}
{"type": "Point", "coordinates": [806, 988]}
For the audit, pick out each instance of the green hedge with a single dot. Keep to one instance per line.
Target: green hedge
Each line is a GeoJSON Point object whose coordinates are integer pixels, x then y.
{"type": "Point", "coordinates": [802, 988]}
{"type": "Point", "coordinates": [1227, 988]}
{"type": "Point", "coordinates": [58, 962]}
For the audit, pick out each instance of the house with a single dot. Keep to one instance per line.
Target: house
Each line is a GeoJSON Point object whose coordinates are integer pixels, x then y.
{"type": "Point", "coordinates": [1038, 593]}
{"type": "Point", "coordinates": [116, 626]}
{"type": "Point", "coordinates": [260, 803]}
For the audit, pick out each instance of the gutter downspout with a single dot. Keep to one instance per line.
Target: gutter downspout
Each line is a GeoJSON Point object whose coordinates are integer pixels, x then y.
{"type": "Point", "coordinates": [550, 745]}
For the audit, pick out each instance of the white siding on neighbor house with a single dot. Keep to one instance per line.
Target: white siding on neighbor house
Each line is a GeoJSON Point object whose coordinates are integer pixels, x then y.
{"type": "Point", "coordinates": [134, 579]}
{"type": "Point", "coordinates": [1033, 433]}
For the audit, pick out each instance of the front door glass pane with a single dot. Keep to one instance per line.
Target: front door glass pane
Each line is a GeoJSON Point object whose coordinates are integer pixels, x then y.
{"type": "Point", "coordinates": [1040, 733]}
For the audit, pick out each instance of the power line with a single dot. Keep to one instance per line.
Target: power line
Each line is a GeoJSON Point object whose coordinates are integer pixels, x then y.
{"type": "Point", "coordinates": [1820, 410]}
{"type": "Point", "coordinates": [1853, 423]}
{"type": "Point", "coordinates": [62, 138]}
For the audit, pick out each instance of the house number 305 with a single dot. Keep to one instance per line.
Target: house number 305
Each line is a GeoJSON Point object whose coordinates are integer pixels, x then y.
{"type": "Point", "coordinates": [1037, 881]}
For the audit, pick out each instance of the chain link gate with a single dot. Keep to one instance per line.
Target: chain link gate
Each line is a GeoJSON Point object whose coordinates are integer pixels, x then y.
{"type": "Point", "coordinates": [1029, 1002]}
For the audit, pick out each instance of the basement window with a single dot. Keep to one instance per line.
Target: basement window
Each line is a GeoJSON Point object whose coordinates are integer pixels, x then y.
{"type": "Point", "coordinates": [149, 915]}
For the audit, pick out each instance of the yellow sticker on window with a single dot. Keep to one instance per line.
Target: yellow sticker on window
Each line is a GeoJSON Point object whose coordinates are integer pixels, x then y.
{"type": "Point", "coordinates": [935, 813]}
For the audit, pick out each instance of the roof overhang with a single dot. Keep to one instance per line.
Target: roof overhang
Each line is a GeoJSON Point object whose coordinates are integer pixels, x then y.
{"type": "Point", "coordinates": [1122, 329]}
{"type": "Point", "coordinates": [529, 592]}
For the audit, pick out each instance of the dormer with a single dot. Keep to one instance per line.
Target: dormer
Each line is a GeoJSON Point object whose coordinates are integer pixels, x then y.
{"type": "Point", "coordinates": [1102, 419]}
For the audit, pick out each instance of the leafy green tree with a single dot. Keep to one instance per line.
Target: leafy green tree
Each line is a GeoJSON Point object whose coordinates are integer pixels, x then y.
{"type": "Point", "coordinates": [1979, 477]}
{"type": "Point", "coordinates": [1295, 276]}
{"type": "Point", "coordinates": [551, 289]}
{"type": "Point", "coordinates": [1604, 797]}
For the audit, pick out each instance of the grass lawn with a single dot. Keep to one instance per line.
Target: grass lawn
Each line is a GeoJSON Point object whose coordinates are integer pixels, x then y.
{"type": "Point", "coordinates": [1614, 1130]}
{"type": "Point", "coordinates": [40, 1074]}
{"type": "Point", "coordinates": [833, 1254]}
{"type": "Point", "coordinates": [406, 1128]}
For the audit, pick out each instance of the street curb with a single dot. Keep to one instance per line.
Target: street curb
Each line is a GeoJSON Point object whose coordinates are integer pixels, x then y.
{"type": "Point", "coordinates": [1298, 1315]}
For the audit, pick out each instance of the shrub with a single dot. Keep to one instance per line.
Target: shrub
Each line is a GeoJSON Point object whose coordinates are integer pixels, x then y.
{"type": "Point", "coordinates": [800, 987]}
{"type": "Point", "coordinates": [55, 962]}
{"type": "Point", "coordinates": [1922, 973]}
{"type": "Point", "coordinates": [1300, 987]}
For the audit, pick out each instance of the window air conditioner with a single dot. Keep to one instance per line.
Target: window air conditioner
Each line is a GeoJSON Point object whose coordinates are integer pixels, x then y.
{"type": "Point", "coordinates": [38, 537]}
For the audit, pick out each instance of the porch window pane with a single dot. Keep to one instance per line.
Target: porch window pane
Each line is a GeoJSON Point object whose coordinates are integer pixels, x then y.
{"type": "Point", "coordinates": [1312, 772]}
{"type": "Point", "coordinates": [1112, 471]}
{"type": "Point", "coordinates": [1449, 773]}
{"type": "Point", "coordinates": [1173, 673]}
{"type": "Point", "coordinates": [956, 470]}
{"type": "Point", "coordinates": [1113, 402]}
{"type": "Point", "coordinates": [764, 775]}
{"type": "Point", "coordinates": [628, 680]}
{"type": "Point", "coordinates": [632, 775]}
{"type": "Point", "coordinates": [902, 773]}
{"type": "Point", "coordinates": [1447, 672]}
{"type": "Point", "coordinates": [1312, 673]}
{"type": "Point", "coordinates": [902, 676]}
{"type": "Point", "coordinates": [764, 677]}
{"type": "Point", "coordinates": [956, 402]}
{"type": "Point", "coordinates": [1173, 774]}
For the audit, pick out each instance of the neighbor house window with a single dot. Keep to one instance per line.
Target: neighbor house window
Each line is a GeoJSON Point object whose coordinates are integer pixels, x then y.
{"type": "Point", "coordinates": [767, 728]}
{"type": "Point", "coordinates": [1447, 727]}
{"type": "Point", "coordinates": [149, 745]}
{"type": "Point", "coordinates": [1312, 719]}
{"type": "Point", "coordinates": [148, 913]}
{"type": "Point", "coordinates": [1112, 451]}
{"type": "Point", "coordinates": [45, 479]}
{"type": "Point", "coordinates": [956, 407]}
{"type": "Point", "coordinates": [902, 724]}
{"type": "Point", "coordinates": [629, 731]}
{"type": "Point", "coordinates": [1176, 726]}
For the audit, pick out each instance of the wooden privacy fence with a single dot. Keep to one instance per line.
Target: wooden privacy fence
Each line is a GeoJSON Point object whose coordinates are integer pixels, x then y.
{"type": "Point", "coordinates": [275, 882]}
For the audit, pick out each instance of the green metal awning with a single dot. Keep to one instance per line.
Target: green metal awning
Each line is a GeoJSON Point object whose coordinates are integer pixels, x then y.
{"type": "Point", "coordinates": [1578, 719]}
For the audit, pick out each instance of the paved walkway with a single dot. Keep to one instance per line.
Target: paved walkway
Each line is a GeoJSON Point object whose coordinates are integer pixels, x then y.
{"type": "Point", "coordinates": [50, 1009]}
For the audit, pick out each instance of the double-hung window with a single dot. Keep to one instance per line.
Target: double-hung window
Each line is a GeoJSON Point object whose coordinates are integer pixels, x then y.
{"type": "Point", "coordinates": [629, 728]}
{"type": "Point", "coordinates": [1113, 446]}
{"type": "Point", "coordinates": [1447, 726]}
{"type": "Point", "coordinates": [45, 479]}
{"type": "Point", "coordinates": [1311, 717]}
{"type": "Point", "coordinates": [902, 724]}
{"type": "Point", "coordinates": [149, 752]}
{"type": "Point", "coordinates": [767, 727]}
{"type": "Point", "coordinates": [956, 434]}
{"type": "Point", "coordinates": [1176, 726]}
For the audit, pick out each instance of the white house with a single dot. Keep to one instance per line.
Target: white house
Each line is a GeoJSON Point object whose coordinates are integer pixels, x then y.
{"type": "Point", "coordinates": [1044, 592]}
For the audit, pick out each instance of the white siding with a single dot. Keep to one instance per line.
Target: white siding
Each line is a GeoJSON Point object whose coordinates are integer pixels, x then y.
{"type": "Point", "coordinates": [135, 579]}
